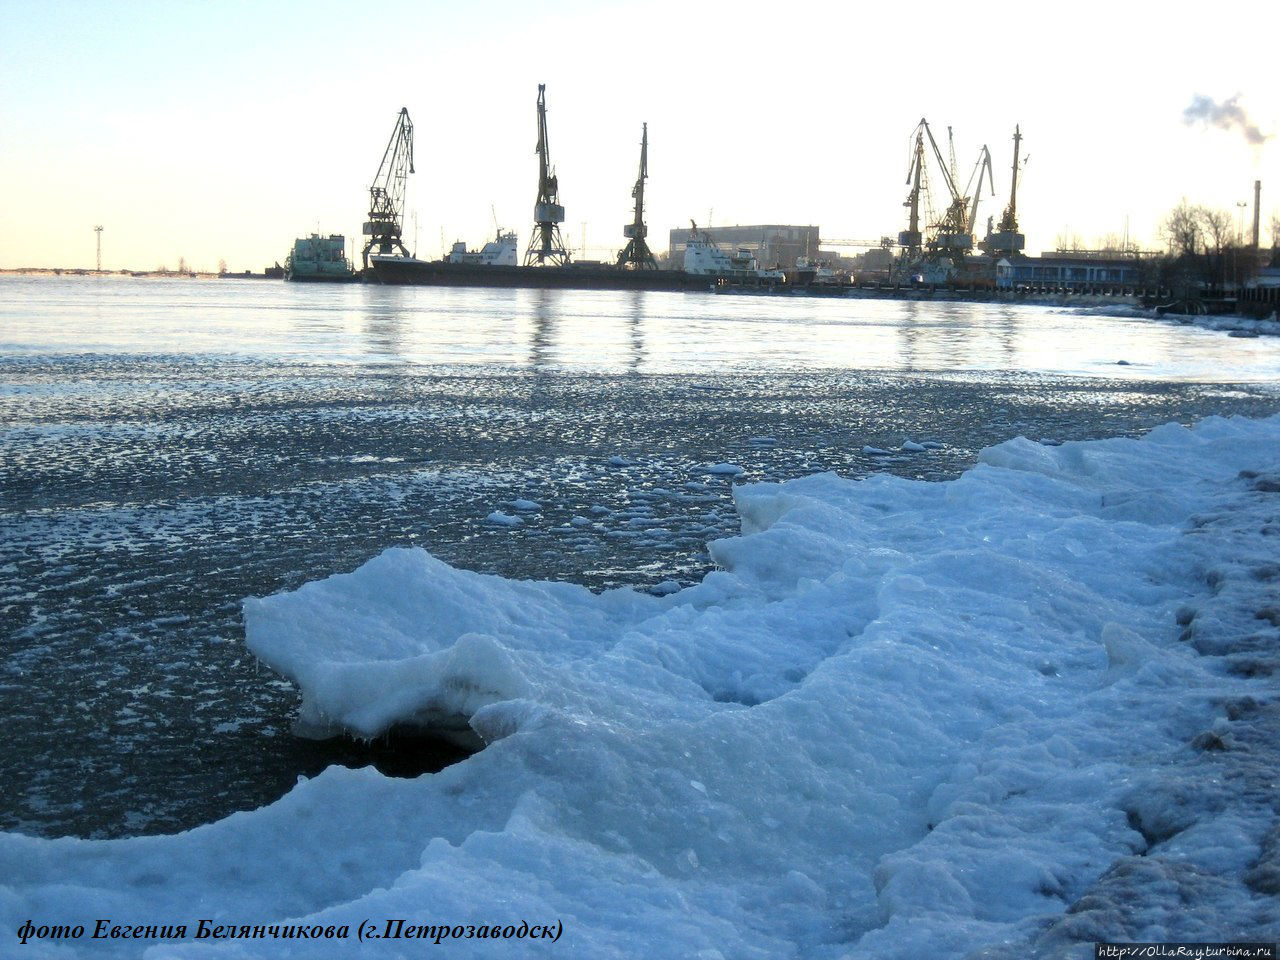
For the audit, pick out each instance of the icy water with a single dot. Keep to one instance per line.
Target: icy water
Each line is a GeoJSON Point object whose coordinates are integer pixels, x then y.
{"type": "Point", "coordinates": [171, 447]}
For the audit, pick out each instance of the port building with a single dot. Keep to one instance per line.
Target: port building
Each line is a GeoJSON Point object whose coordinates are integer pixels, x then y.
{"type": "Point", "coordinates": [773, 245]}
{"type": "Point", "coordinates": [1070, 270]}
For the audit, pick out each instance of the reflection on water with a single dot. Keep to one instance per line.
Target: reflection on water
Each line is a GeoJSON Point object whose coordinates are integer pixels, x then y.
{"type": "Point", "coordinates": [605, 331]}
{"type": "Point", "coordinates": [383, 334]}
{"type": "Point", "coordinates": [545, 304]}
{"type": "Point", "coordinates": [635, 324]}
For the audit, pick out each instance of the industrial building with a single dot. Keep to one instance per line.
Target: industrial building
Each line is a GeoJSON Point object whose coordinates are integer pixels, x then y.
{"type": "Point", "coordinates": [1072, 270]}
{"type": "Point", "coordinates": [772, 245]}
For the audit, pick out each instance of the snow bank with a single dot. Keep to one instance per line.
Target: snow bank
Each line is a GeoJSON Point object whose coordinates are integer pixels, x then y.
{"type": "Point", "coordinates": [1009, 711]}
{"type": "Point", "coordinates": [1233, 323]}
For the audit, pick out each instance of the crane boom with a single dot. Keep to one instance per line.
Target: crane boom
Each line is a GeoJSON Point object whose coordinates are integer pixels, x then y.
{"type": "Point", "coordinates": [386, 193]}
{"type": "Point", "coordinates": [983, 167]}
{"type": "Point", "coordinates": [946, 174]}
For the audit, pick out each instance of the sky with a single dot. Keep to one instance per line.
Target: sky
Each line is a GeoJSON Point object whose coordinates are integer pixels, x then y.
{"type": "Point", "coordinates": [220, 131]}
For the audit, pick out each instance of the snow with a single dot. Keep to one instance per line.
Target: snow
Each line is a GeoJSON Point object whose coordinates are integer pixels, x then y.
{"type": "Point", "coordinates": [1230, 323]}
{"type": "Point", "coordinates": [504, 519]}
{"type": "Point", "coordinates": [1014, 712]}
{"type": "Point", "coordinates": [723, 469]}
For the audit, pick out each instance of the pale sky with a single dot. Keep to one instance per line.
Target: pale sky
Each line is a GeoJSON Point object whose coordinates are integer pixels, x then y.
{"type": "Point", "coordinates": [222, 131]}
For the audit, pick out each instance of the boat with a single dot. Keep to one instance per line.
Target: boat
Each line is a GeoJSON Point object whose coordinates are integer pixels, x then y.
{"type": "Point", "coordinates": [810, 272]}
{"type": "Point", "coordinates": [500, 251]}
{"type": "Point", "coordinates": [317, 258]}
{"type": "Point", "coordinates": [594, 275]}
{"type": "Point", "coordinates": [702, 258]}
{"type": "Point", "coordinates": [706, 267]}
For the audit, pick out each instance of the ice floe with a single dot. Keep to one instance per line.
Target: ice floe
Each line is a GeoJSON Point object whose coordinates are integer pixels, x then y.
{"type": "Point", "coordinates": [1016, 712]}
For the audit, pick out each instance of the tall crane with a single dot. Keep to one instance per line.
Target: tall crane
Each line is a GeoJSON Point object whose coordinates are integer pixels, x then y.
{"type": "Point", "coordinates": [1007, 239]}
{"type": "Point", "coordinates": [546, 246]}
{"type": "Point", "coordinates": [637, 254]}
{"type": "Point", "coordinates": [954, 231]}
{"type": "Point", "coordinates": [910, 239]}
{"type": "Point", "coordinates": [386, 194]}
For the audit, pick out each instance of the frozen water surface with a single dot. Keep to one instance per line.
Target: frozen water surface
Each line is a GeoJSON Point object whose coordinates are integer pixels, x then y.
{"type": "Point", "coordinates": [172, 447]}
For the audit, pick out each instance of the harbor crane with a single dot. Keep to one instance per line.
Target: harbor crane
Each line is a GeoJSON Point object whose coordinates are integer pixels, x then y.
{"type": "Point", "coordinates": [951, 235]}
{"type": "Point", "coordinates": [911, 239]}
{"type": "Point", "coordinates": [1007, 239]}
{"type": "Point", "coordinates": [386, 194]}
{"type": "Point", "coordinates": [954, 232]}
{"type": "Point", "coordinates": [637, 254]}
{"type": "Point", "coordinates": [546, 245]}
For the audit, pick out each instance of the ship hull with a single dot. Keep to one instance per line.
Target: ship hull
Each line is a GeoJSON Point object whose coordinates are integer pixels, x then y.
{"type": "Point", "coordinates": [398, 270]}
{"type": "Point", "coordinates": [321, 277]}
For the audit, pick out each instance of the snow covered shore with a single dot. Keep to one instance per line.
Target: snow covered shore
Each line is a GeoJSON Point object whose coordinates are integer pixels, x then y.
{"type": "Point", "coordinates": [1232, 323]}
{"type": "Point", "coordinates": [1020, 711]}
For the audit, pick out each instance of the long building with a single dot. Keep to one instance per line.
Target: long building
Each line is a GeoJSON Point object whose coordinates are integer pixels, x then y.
{"type": "Point", "coordinates": [1070, 270]}
{"type": "Point", "coordinates": [773, 245]}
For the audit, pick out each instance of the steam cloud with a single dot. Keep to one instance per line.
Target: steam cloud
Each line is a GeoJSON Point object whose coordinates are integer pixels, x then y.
{"type": "Point", "coordinates": [1227, 115]}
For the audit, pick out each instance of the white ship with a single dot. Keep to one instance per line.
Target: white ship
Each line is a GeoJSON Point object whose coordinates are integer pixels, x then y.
{"type": "Point", "coordinates": [818, 271]}
{"type": "Point", "coordinates": [703, 258]}
{"type": "Point", "coordinates": [498, 252]}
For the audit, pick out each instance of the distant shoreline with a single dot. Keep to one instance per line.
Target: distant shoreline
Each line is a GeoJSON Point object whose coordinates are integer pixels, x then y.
{"type": "Point", "coordinates": [176, 274]}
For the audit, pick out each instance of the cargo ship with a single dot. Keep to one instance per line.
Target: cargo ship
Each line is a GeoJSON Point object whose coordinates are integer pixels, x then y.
{"type": "Point", "coordinates": [706, 268]}
{"type": "Point", "coordinates": [323, 259]}
{"type": "Point", "coordinates": [580, 275]}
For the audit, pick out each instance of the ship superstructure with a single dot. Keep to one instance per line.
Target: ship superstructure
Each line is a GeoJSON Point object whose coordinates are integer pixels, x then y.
{"type": "Point", "coordinates": [500, 251]}
{"type": "Point", "coordinates": [319, 258]}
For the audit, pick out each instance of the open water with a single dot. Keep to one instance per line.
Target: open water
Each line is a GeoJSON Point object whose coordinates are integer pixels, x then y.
{"type": "Point", "coordinates": [169, 447]}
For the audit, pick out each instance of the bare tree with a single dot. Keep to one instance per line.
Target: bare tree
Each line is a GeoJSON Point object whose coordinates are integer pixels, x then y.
{"type": "Point", "coordinates": [1215, 229]}
{"type": "Point", "coordinates": [1068, 240]}
{"type": "Point", "coordinates": [1181, 230]}
{"type": "Point", "coordinates": [222, 266]}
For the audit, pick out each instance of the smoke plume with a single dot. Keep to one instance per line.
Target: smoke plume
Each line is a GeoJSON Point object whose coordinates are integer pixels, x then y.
{"type": "Point", "coordinates": [1227, 115]}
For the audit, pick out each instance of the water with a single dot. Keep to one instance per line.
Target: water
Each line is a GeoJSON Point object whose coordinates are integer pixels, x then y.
{"type": "Point", "coordinates": [170, 447]}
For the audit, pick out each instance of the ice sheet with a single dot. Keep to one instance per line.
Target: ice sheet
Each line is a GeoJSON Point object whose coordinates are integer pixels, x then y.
{"type": "Point", "coordinates": [1027, 708]}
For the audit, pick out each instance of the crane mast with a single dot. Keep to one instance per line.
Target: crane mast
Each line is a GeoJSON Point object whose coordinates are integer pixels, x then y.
{"type": "Point", "coordinates": [637, 254]}
{"type": "Point", "coordinates": [386, 194]}
{"type": "Point", "coordinates": [910, 239]}
{"type": "Point", "coordinates": [1010, 219]}
{"type": "Point", "coordinates": [546, 245]}
{"type": "Point", "coordinates": [1008, 240]}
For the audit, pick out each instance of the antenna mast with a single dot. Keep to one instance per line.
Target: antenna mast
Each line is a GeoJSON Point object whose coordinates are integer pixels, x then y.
{"type": "Point", "coordinates": [546, 245]}
{"type": "Point", "coordinates": [637, 254]}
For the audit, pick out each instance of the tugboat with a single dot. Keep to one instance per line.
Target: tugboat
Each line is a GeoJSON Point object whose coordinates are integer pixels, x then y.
{"type": "Point", "coordinates": [317, 258]}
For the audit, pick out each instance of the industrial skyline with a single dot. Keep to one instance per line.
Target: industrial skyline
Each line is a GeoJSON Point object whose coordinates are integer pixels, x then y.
{"type": "Point", "coordinates": [222, 136]}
